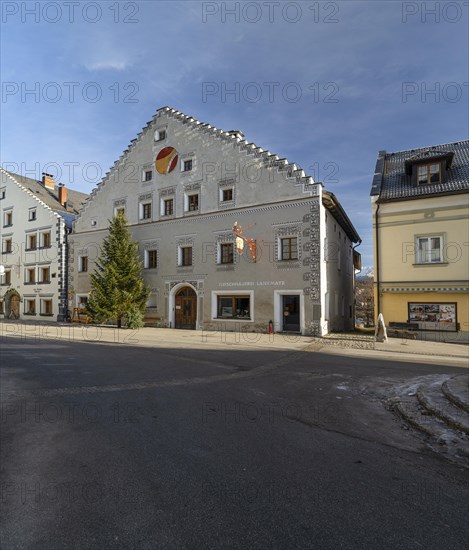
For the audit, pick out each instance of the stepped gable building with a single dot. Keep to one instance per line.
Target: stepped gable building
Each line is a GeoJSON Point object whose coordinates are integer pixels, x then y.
{"type": "Point", "coordinates": [36, 217]}
{"type": "Point", "coordinates": [420, 204]}
{"type": "Point", "coordinates": [183, 185]}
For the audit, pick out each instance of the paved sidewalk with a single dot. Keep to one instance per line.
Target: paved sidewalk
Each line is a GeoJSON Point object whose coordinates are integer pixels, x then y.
{"type": "Point", "coordinates": [352, 344]}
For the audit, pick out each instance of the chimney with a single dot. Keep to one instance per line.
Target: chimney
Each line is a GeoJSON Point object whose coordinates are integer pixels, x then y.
{"type": "Point", "coordinates": [48, 181]}
{"type": "Point", "coordinates": [62, 194]}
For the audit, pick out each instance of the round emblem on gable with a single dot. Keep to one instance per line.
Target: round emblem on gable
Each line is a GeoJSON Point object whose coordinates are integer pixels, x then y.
{"type": "Point", "coordinates": [166, 160]}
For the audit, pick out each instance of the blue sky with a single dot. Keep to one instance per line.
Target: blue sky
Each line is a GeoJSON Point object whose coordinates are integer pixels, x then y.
{"type": "Point", "coordinates": [339, 70]}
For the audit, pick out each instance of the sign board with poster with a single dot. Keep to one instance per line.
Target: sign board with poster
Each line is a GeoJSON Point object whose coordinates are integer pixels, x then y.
{"type": "Point", "coordinates": [433, 316]}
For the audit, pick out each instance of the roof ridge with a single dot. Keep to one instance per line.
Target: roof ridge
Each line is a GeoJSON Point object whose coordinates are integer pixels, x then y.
{"type": "Point", "coordinates": [459, 142]}
{"type": "Point", "coordinates": [29, 192]}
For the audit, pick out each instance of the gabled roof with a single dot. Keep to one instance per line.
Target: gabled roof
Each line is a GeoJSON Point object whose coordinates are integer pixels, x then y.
{"type": "Point", "coordinates": [75, 199]}
{"type": "Point", "coordinates": [392, 176]}
{"type": "Point", "coordinates": [331, 202]}
{"type": "Point", "coordinates": [291, 170]}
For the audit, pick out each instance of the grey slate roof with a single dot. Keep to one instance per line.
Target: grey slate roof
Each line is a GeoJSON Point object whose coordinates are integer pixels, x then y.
{"type": "Point", "coordinates": [75, 199]}
{"type": "Point", "coordinates": [391, 182]}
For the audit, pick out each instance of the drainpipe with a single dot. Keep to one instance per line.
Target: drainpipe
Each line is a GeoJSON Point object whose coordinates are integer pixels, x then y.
{"type": "Point", "coordinates": [65, 275]}
{"type": "Point", "coordinates": [378, 301]}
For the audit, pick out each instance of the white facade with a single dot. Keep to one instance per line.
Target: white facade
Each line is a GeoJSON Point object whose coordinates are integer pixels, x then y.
{"type": "Point", "coordinates": [182, 185]}
{"type": "Point", "coordinates": [33, 238]}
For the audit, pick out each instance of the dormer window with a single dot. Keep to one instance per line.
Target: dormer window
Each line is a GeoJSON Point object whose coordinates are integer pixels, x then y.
{"type": "Point", "coordinates": [429, 173]}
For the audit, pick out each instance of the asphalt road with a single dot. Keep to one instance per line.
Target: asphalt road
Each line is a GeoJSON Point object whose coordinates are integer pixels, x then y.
{"type": "Point", "coordinates": [112, 447]}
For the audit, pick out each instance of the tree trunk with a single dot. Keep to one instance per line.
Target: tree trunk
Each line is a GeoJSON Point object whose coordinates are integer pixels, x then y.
{"type": "Point", "coordinates": [119, 322]}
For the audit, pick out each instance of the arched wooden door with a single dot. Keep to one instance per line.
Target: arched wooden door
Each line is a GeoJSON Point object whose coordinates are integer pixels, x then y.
{"type": "Point", "coordinates": [14, 307]}
{"type": "Point", "coordinates": [186, 308]}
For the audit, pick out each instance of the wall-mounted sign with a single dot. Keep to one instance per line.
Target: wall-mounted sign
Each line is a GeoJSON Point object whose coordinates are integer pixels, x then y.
{"type": "Point", "coordinates": [433, 316]}
{"type": "Point", "coordinates": [166, 160]}
{"type": "Point", "coordinates": [241, 240]}
{"type": "Point", "coordinates": [433, 313]}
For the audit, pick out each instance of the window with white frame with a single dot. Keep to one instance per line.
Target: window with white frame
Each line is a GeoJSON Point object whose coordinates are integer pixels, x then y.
{"type": "Point", "coordinates": [147, 175]}
{"type": "Point", "coordinates": [45, 274]}
{"type": "Point", "coordinates": [8, 218]}
{"type": "Point", "coordinates": [167, 207]}
{"type": "Point", "coordinates": [30, 276]}
{"type": "Point", "coordinates": [6, 279]}
{"type": "Point", "coordinates": [46, 306]}
{"type": "Point", "coordinates": [233, 306]}
{"type": "Point", "coordinates": [32, 214]}
{"type": "Point", "coordinates": [187, 165]}
{"type": "Point", "coordinates": [145, 210]}
{"type": "Point", "coordinates": [429, 249]}
{"type": "Point", "coordinates": [45, 239]}
{"type": "Point", "coordinates": [191, 202]}
{"type": "Point", "coordinates": [150, 259]}
{"type": "Point", "coordinates": [160, 135]}
{"type": "Point", "coordinates": [227, 194]}
{"type": "Point", "coordinates": [30, 306]}
{"type": "Point", "coordinates": [185, 256]}
{"type": "Point", "coordinates": [7, 247]}
{"type": "Point", "coordinates": [31, 241]}
{"type": "Point", "coordinates": [3, 193]}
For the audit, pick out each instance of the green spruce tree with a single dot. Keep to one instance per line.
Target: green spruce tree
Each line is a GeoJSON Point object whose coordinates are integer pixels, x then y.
{"type": "Point", "coordinates": [118, 292]}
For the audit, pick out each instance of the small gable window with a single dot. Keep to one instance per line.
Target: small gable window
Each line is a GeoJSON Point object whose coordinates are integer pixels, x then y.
{"type": "Point", "coordinates": [429, 173]}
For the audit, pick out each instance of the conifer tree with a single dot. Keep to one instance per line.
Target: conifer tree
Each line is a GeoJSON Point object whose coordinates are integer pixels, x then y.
{"type": "Point", "coordinates": [118, 292]}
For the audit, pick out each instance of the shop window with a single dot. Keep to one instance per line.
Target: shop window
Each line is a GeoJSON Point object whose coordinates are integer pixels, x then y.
{"type": "Point", "coordinates": [233, 307]}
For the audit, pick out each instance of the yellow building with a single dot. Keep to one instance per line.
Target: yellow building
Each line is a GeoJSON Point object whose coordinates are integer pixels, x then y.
{"type": "Point", "coordinates": [420, 205]}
